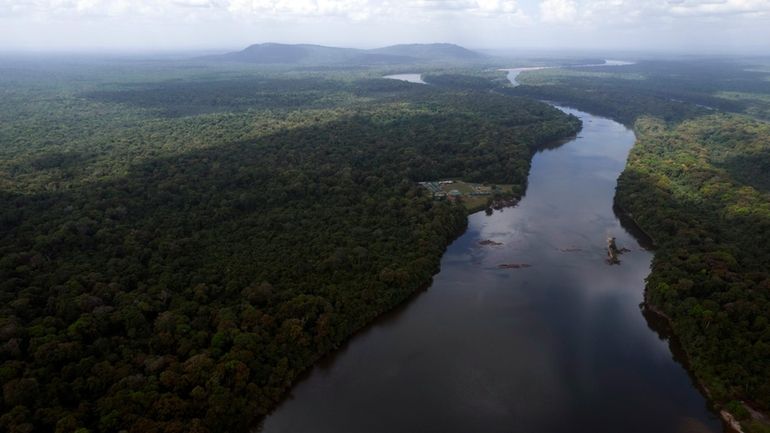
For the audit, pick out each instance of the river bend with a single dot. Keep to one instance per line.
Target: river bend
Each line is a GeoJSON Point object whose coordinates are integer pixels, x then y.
{"type": "Point", "coordinates": [560, 346]}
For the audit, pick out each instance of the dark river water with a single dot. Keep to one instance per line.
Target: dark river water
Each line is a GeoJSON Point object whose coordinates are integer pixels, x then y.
{"type": "Point", "coordinates": [560, 346]}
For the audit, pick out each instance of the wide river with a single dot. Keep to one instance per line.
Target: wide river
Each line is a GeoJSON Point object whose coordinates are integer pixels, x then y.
{"type": "Point", "coordinates": [561, 346]}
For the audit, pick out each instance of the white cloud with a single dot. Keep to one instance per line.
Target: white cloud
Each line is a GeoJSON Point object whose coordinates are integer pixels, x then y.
{"type": "Point", "coordinates": [550, 11]}
{"type": "Point", "coordinates": [472, 6]}
{"type": "Point", "coordinates": [604, 12]}
{"type": "Point", "coordinates": [376, 22]}
{"type": "Point", "coordinates": [288, 9]}
{"type": "Point", "coordinates": [558, 11]}
{"type": "Point", "coordinates": [353, 9]}
{"type": "Point", "coordinates": [195, 3]}
{"type": "Point", "coordinates": [54, 8]}
{"type": "Point", "coordinates": [718, 7]}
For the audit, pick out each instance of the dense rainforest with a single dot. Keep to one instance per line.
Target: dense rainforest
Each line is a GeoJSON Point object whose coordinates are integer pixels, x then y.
{"type": "Point", "coordinates": [179, 243]}
{"type": "Point", "coordinates": [670, 90]}
{"type": "Point", "coordinates": [698, 182]}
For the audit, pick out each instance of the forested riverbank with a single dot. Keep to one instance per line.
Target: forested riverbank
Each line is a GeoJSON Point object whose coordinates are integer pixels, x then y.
{"type": "Point", "coordinates": [180, 241]}
{"type": "Point", "coordinates": [525, 328]}
{"type": "Point", "coordinates": [697, 182]}
{"type": "Point", "coordinates": [179, 244]}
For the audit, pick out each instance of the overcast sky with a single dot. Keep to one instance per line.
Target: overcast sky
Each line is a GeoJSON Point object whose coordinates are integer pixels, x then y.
{"type": "Point", "coordinates": [673, 25]}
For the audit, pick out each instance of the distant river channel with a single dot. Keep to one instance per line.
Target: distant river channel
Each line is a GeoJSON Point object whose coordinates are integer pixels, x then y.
{"type": "Point", "coordinates": [560, 346]}
{"type": "Point", "coordinates": [412, 78]}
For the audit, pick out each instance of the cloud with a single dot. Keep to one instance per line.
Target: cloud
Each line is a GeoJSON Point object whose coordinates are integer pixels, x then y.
{"type": "Point", "coordinates": [472, 6]}
{"type": "Point", "coordinates": [194, 3]}
{"type": "Point", "coordinates": [558, 11]}
{"type": "Point", "coordinates": [551, 11]}
{"type": "Point", "coordinates": [290, 9]}
{"type": "Point", "coordinates": [215, 23]}
{"type": "Point", "coordinates": [647, 12]}
{"type": "Point", "coordinates": [266, 9]}
{"type": "Point", "coordinates": [717, 7]}
{"type": "Point", "coordinates": [57, 8]}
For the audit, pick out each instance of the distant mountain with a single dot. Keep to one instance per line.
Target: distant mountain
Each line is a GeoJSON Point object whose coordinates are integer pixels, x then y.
{"type": "Point", "coordinates": [306, 54]}
{"type": "Point", "coordinates": [290, 54]}
{"type": "Point", "coordinates": [431, 52]}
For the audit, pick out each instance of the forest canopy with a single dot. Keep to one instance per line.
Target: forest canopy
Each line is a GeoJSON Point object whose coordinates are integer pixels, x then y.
{"type": "Point", "coordinates": [178, 245]}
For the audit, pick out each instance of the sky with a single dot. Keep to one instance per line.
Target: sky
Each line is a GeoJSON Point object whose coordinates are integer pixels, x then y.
{"type": "Point", "coordinates": [687, 26]}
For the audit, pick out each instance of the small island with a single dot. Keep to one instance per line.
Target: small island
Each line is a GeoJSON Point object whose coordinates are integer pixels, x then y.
{"type": "Point", "coordinates": [613, 252]}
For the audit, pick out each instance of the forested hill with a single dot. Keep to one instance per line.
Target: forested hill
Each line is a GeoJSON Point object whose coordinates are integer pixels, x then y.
{"type": "Point", "coordinates": [697, 181]}
{"type": "Point", "coordinates": [305, 54]}
{"type": "Point", "coordinates": [175, 254]}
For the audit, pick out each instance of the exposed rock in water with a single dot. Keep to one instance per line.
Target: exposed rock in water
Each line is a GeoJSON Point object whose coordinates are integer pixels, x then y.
{"type": "Point", "coordinates": [489, 242]}
{"type": "Point", "coordinates": [514, 266]}
{"type": "Point", "coordinates": [730, 420]}
{"type": "Point", "coordinates": [613, 252]}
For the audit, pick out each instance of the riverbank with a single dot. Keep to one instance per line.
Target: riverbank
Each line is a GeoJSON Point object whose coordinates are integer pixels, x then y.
{"type": "Point", "coordinates": [667, 330]}
{"type": "Point", "coordinates": [641, 194]}
{"type": "Point", "coordinates": [719, 405]}
{"type": "Point", "coordinates": [485, 345]}
{"type": "Point", "coordinates": [730, 422]}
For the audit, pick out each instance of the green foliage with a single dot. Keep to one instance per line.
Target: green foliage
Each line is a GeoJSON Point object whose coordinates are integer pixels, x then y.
{"type": "Point", "coordinates": [712, 228]}
{"type": "Point", "coordinates": [167, 270]}
{"type": "Point", "coordinates": [671, 90]}
{"type": "Point", "coordinates": [698, 182]}
{"type": "Point", "coordinates": [756, 426]}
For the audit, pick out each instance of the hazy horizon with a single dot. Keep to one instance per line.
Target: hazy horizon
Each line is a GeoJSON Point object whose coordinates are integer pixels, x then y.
{"type": "Point", "coordinates": [670, 26]}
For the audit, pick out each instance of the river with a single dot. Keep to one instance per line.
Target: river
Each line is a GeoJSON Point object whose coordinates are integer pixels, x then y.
{"type": "Point", "coordinates": [412, 78]}
{"type": "Point", "coordinates": [561, 346]}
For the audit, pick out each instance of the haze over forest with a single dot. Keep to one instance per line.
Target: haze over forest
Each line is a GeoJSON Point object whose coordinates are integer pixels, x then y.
{"type": "Point", "coordinates": [692, 26]}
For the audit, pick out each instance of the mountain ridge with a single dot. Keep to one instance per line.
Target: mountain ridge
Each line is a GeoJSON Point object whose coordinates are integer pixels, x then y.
{"type": "Point", "coordinates": [307, 54]}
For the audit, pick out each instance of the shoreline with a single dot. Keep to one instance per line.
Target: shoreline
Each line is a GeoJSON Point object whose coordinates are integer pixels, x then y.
{"type": "Point", "coordinates": [729, 422]}
{"type": "Point", "coordinates": [338, 349]}
{"type": "Point", "coordinates": [390, 313]}
{"type": "Point", "coordinates": [400, 305]}
{"type": "Point", "coordinates": [395, 309]}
